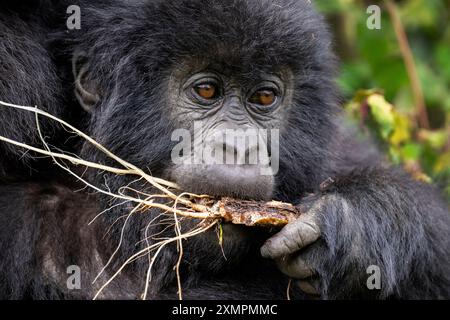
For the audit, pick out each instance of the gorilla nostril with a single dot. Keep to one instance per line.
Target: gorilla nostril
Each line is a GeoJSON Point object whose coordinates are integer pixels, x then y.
{"type": "Point", "coordinates": [229, 154]}
{"type": "Point", "coordinates": [252, 155]}
{"type": "Point", "coordinates": [247, 157]}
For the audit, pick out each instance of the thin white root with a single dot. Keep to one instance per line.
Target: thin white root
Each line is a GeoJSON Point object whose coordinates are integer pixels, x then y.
{"type": "Point", "coordinates": [192, 210]}
{"type": "Point", "coordinates": [153, 246]}
{"type": "Point", "coordinates": [195, 206]}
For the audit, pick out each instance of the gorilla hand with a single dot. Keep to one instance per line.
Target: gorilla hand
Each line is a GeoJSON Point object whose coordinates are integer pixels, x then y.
{"type": "Point", "coordinates": [295, 247]}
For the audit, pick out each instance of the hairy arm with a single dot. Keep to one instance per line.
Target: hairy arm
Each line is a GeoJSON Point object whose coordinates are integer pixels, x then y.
{"type": "Point", "coordinates": [375, 217]}
{"type": "Point", "coordinates": [41, 234]}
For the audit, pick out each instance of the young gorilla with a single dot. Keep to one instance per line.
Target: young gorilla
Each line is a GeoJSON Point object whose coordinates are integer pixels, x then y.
{"type": "Point", "coordinates": [142, 70]}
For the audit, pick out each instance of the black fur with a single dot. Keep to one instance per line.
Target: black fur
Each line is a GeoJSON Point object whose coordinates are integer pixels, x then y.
{"type": "Point", "coordinates": [133, 48]}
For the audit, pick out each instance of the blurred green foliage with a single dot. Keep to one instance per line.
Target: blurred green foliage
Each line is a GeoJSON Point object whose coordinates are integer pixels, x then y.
{"type": "Point", "coordinates": [375, 82]}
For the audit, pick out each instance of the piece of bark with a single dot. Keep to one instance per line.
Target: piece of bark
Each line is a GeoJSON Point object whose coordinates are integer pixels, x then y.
{"type": "Point", "coordinates": [256, 213]}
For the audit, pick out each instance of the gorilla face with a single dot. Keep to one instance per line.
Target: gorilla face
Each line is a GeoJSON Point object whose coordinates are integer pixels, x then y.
{"type": "Point", "coordinates": [267, 70]}
{"type": "Point", "coordinates": [164, 72]}
{"type": "Point", "coordinates": [230, 121]}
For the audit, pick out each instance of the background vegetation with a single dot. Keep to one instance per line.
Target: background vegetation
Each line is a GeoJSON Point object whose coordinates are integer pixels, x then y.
{"type": "Point", "coordinates": [396, 80]}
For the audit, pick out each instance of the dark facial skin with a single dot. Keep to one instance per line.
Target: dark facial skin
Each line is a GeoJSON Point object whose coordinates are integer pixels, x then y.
{"type": "Point", "coordinates": [223, 100]}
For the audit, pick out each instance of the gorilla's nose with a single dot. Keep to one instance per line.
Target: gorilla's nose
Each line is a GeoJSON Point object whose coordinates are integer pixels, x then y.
{"type": "Point", "coordinates": [239, 154]}
{"type": "Point", "coordinates": [236, 150]}
{"type": "Point", "coordinates": [233, 163]}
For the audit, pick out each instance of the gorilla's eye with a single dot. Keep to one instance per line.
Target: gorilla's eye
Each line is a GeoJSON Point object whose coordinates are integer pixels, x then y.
{"type": "Point", "coordinates": [264, 97]}
{"type": "Point", "coordinates": [206, 91]}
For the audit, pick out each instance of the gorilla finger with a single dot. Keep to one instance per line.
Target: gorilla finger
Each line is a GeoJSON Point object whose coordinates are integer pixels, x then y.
{"type": "Point", "coordinates": [292, 238]}
{"type": "Point", "coordinates": [295, 268]}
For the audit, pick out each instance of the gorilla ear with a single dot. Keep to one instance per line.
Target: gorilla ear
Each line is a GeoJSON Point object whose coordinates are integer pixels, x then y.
{"type": "Point", "coordinates": [86, 90]}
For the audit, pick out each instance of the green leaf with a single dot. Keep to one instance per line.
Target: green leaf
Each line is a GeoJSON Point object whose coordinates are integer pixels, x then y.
{"type": "Point", "coordinates": [443, 163]}
{"type": "Point", "coordinates": [382, 112]}
{"type": "Point", "coordinates": [435, 139]}
{"type": "Point", "coordinates": [442, 55]}
{"type": "Point", "coordinates": [411, 151]}
{"type": "Point", "coordinates": [402, 129]}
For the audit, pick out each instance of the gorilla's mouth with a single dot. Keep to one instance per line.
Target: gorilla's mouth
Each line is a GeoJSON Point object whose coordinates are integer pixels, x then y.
{"type": "Point", "coordinates": [238, 181]}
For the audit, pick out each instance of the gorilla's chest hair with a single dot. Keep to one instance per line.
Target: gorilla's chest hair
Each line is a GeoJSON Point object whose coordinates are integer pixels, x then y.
{"type": "Point", "coordinates": [68, 239]}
